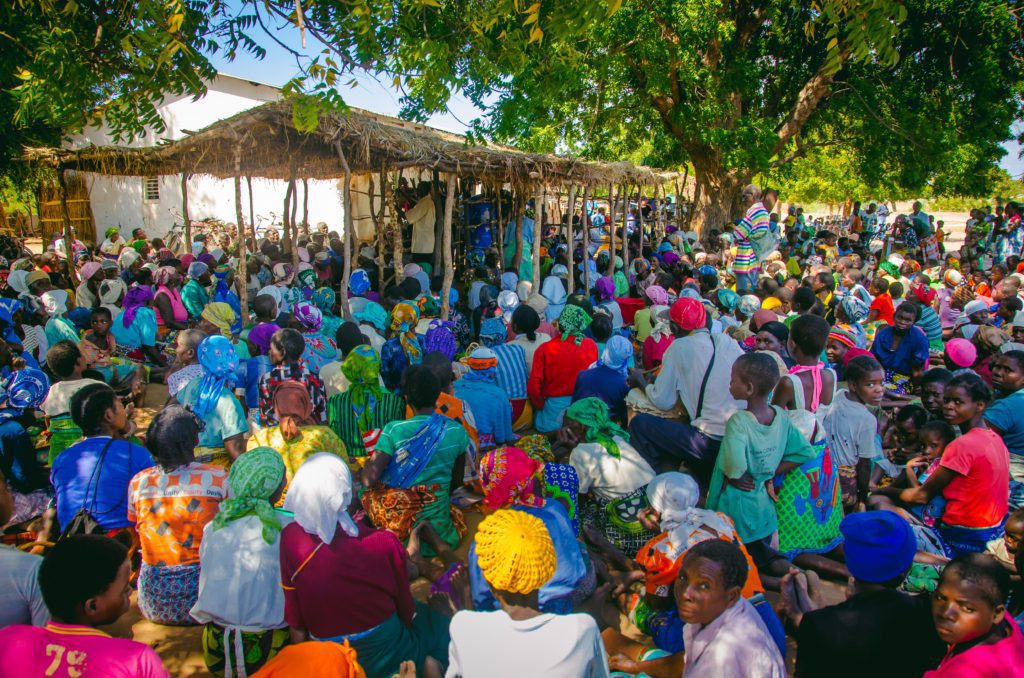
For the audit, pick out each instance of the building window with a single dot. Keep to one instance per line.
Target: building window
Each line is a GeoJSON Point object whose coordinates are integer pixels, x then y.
{"type": "Point", "coordinates": [151, 189]}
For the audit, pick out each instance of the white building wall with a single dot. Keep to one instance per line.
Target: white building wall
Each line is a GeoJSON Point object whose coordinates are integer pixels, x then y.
{"type": "Point", "coordinates": [118, 201]}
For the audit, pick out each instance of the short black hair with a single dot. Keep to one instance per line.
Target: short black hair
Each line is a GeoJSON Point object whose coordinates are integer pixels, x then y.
{"type": "Point", "coordinates": [1013, 303]}
{"type": "Point", "coordinates": [776, 329]}
{"type": "Point", "coordinates": [290, 343]}
{"type": "Point", "coordinates": [172, 437]}
{"type": "Point", "coordinates": [985, 571]}
{"type": "Point", "coordinates": [860, 367]}
{"type": "Point", "coordinates": [896, 289]}
{"type": "Point", "coordinates": [759, 369]}
{"type": "Point", "coordinates": [977, 389]}
{"type": "Point", "coordinates": [909, 307]}
{"type": "Point", "coordinates": [940, 375]}
{"type": "Point", "coordinates": [601, 327]}
{"type": "Point", "coordinates": [880, 284]}
{"type": "Point", "coordinates": [440, 366]}
{"type": "Point", "coordinates": [914, 413]}
{"type": "Point", "coordinates": [77, 568]}
{"type": "Point", "coordinates": [62, 357]}
{"type": "Point", "coordinates": [526, 320]}
{"type": "Point", "coordinates": [728, 556]}
{"type": "Point", "coordinates": [826, 279]}
{"type": "Point", "coordinates": [89, 404]}
{"type": "Point", "coordinates": [1015, 355]}
{"type": "Point", "coordinates": [410, 288]}
{"type": "Point", "coordinates": [264, 305]}
{"type": "Point", "coordinates": [101, 310]}
{"type": "Point", "coordinates": [941, 427]}
{"type": "Point", "coordinates": [803, 299]}
{"type": "Point", "coordinates": [348, 336]}
{"type": "Point", "coordinates": [810, 334]}
{"type": "Point", "coordinates": [420, 386]}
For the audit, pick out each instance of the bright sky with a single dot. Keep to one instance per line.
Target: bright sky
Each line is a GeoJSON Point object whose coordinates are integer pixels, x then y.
{"type": "Point", "coordinates": [279, 66]}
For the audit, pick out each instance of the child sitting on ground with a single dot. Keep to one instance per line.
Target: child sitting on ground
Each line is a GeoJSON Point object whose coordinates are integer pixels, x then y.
{"type": "Point", "coordinates": [935, 436]}
{"type": "Point", "coordinates": [66, 364]}
{"type": "Point", "coordinates": [98, 348]}
{"type": "Point", "coordinates": [900, 440]}
{"type": "Point", "coordinates": [852, 429]}
{"type": "Point", "coordinates": [1006, 548]}
{"type": "Point", "coordinates": [970, 616]}
{"type": "Point", "coordinates": [760, 442]}
{"type": "Point", "coordinates": [84, 583]}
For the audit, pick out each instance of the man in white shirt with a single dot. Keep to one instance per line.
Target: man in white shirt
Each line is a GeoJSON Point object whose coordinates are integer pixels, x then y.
{"type": "Point", "coordinates": [688, 376]}
{"type": "Point", "coordinates": [422, 218]}
{"type": "Point", "coordinates": [516, 557]}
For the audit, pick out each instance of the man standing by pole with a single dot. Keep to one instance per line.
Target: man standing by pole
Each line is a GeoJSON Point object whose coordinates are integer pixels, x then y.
{"type": "Point", "coordinates": [746, 266]}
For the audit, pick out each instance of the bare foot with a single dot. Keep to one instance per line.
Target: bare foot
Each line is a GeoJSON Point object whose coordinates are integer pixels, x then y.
{"type": "Point", "coordinates": [442, 603]}
{"type": "Point", "coordinates": [460, 585]}
{"type": "Point", "coordinates": [407, 670]}
{"type": "Point", "coordinates": [422, 565]}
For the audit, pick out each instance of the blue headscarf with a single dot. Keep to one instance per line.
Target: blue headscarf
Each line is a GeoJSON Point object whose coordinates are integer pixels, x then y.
{"type": "Point", "coordinates": [359, 282]}
{"type": "Point", "coordinates": [373, 314]}
{"type": "Point", "coordinates": [218, 358]}
{"type": "Point", "coordinates": [24, 389]}
{"type": "Point", "coordinates": [8, 307]}
{"type": "Point", "coordinates": [616, 354]}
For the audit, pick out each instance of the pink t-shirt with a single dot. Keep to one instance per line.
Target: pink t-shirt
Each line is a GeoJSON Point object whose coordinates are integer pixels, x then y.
{"type": "Point", "coordinates": [985, 661]}
{"type": "Point", "coordinates": [71, 651]}
{"type": "Point", "coordinates": [979, 494]}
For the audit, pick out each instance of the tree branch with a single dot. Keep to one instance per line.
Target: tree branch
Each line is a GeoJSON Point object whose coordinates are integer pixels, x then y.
{"type": "Point", "coordinates": [807, 101]}
{"type": "Point", "coordinates": [801, 151]}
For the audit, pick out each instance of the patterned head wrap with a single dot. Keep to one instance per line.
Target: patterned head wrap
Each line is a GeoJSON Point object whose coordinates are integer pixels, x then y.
{"type": "Point", "coordinates": [889, 269]}
{"type": "Point", "coordinates": [218, 358]}
{"type": "Point", "coordinates": [309, 316]}
{"type": "Point", "coordinates": [8, 307]}
{"type": "Point", "coordinates": [307, 277]}
{"type": "Point", "coordinates": [854, 308]}
{"type": "Point", "coordinates": [728, 299]}
{"type": "Point", "coordinates": [748, 305]}
{"type": "Point", "coordinates": [952, 277]}
{"type": "Point", "coordinates": [572, 322]}
{"type": "Point", "coordinates": [843, 336]}
{"type": "Point", "coordinates": [483, 365]}
{"type": "Point", "coordinates": [359, 282]}
{"type": "Point", "coordinates": [428, 306]}
{"type": "Point", "coordinates": [593, 414]}
{"type": "Point", "coordinates": [616, 354]}
{"type": "Point", "coordinates": [24, 389]}
{"type": "Point", "coordinates": [403, 319]}
{"type": "Point", "coordinates": [221, 315]}
{"type": "Point", "coordinates": [990, 338]}
{"type": "Point", "coordinates": [507, 476]}
{"type": "Point", "coordinates": [373, 314]}
{"type": "Point", "coordinates": [134, 299]}
{"type": "Point", "coordinates": [515, 551]}
{"type": "Point", "coordinates": [164, 274]}
{"type": "Point", "coordinates": [439, 338]}
{"type": "Point", "coordinates": [324, 298]}
{"type": "Point", "coordinates": [252, 481]}
{"type": "Point", "coordinates": [362, 368]}
{"type": "Point", "coordinates": [282, 273]}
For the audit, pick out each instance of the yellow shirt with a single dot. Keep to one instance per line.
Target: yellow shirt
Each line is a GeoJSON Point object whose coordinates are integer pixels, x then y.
{"type": "Point", "coordinates": [312, 440]}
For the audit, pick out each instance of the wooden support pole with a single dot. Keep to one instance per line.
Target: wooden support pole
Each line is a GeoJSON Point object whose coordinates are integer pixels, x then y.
{"type": "Point", "coordinates": [538, 230]}
{"type": "Point", "coordinates": [571, 237]}
{"type": "Point", "coordinates": [625, 226]}
{"type": "Point", "coordinates": [294, 236]}
{"type": "Point", "coordinates": [396, 235]}
{"type": "Point", "coordinates": [519, 205]}
{"type": "Point", "coordinates": [286, 243]}
{"type": "Point", "coordinates": [305, 202]}
{"type": "Point", "coordinates": [611, 230]}
{"type": "Point", "coordinates": [242, 274]}
{"type": "Point", "coordinates": [446, 246]}
{"type": "Point", "coordinates": [184, 213]}
{"type": "Point", "coordinates": [252, 212]}
{"type": "Point", "coordinates": [501, 233]}
{"type": "Point", "coordinates": [438, 223]}
{"type": "Point", "coordinates": [586, 242]}
{"type": "Point", "coordinates": [639, 223]}
{"type": "Point", "coordinates": [68, 236]}
{"type": "Point", "coordinates": [346, 204]}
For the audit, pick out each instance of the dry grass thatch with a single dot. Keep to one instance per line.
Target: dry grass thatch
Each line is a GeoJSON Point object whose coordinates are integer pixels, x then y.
{"type": "Point", "coordinates": [269, 145]}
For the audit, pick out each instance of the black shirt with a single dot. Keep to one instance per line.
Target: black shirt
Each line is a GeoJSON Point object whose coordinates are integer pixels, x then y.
{"type": "Point", "coordinates": [880, 634]}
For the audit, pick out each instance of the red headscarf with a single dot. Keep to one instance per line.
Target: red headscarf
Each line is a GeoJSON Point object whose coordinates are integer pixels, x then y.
{"type": "Point", "coordinates": [688, 314]}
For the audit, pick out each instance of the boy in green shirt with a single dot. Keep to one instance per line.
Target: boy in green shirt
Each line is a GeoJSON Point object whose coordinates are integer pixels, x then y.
{"type": "Point", "coordinates": [760, 442]}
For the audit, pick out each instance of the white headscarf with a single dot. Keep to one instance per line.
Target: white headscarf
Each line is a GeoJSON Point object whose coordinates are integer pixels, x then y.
{"type": "Point", "coordinates": [272, 291]}
{"type": "Point", "coordinates": [128, 257]}
{"type": "Point", "coordinates": [674, 495]}
{"type": "Point", "coordinates": [55, 302]}
{"type": "Point", "coordinates": [16, 280]}
{"type": "Point", "coordinates": [319, 495]}
{"type": "Point", "coordinates": [523, 290]}
{"type": "Point", "coordinates": [659, 323]}
{"type": "Point", "coordinates": [110, 293]}
{"type": "Point", "coordinates": [507, 302]}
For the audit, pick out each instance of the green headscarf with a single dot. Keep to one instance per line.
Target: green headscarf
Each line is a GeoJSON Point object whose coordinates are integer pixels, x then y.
{"type": "Point", "coordinates": [112, 231]}
{"type": "Point", "coordinates": [593, 413]}
{"type": "Point", "coordinates": [253, 478]}
{"type": "Point", "coordinates": [889, 268]}
{"type": "Point", "coordinates": [307, 278]}
{"type": "Point", "coordinates": [362, 368]}
{"type": "Point", "coordinates": [572, 321]}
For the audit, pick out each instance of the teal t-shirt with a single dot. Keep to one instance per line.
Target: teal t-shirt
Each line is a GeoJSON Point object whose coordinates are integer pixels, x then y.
{"type": "Point", "coordinates": [749, 446]}
{"type": "Point", "coordinates": [227, 418]}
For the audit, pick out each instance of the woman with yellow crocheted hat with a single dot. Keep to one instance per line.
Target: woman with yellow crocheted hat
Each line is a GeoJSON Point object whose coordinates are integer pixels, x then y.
{"type": "Point", "coordinates": [517, 557]}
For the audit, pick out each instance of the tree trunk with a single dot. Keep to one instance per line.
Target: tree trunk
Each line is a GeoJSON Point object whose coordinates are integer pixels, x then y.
{"type": "Point", "coordinates": [519, 205]}
{"type": "Point", "coordinates": [446, 246]}
{"type": "Point", "coordinates": [719, 200]}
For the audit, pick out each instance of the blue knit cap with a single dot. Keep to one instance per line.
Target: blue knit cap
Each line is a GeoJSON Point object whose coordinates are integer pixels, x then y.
{"type": "Point", "coordinates": [879, 545]}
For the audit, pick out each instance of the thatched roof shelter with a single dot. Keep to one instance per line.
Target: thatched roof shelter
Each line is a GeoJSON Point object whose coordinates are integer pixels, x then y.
{"type": "Point", "coordinates": [264, 142]}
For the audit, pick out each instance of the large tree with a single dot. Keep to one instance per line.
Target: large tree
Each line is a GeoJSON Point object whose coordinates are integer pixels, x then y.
{"type": "Point", "coordinates": [742, 87]}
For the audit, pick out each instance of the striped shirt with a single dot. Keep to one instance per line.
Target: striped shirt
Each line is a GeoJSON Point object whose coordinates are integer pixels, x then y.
{"type": "Point", "coordinates": [511, 373]}
{"type": "Point", "coordinates": [756, 219]}
{"type": "Point", "coordinates": [341, 417]}
{"type": "Point", "coordinates": [930, 325]}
